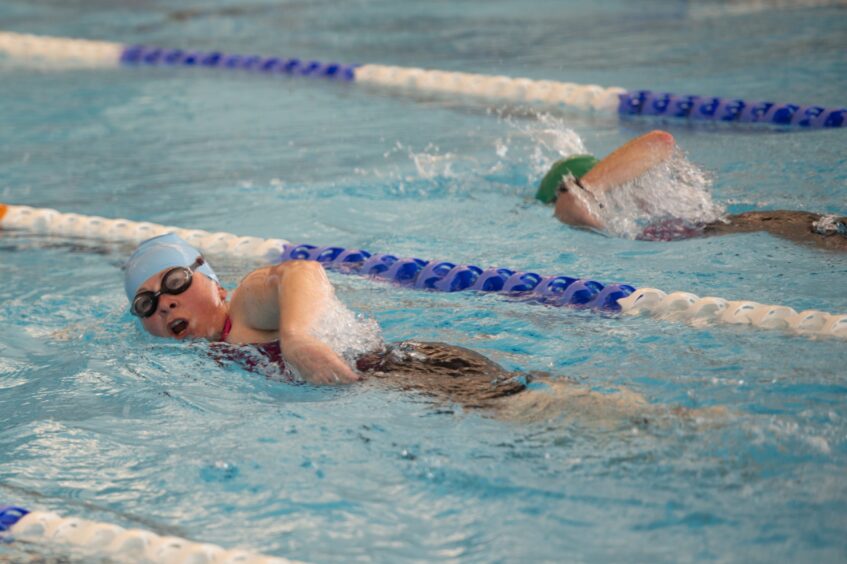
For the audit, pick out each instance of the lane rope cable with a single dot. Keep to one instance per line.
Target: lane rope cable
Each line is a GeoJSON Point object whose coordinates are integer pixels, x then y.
{"type": "Point", "coordinates": [444, 276]}
{"type": "Point", "coordinates": [104, 540]}
{"type": "Point", "coordinates": [82, 53]}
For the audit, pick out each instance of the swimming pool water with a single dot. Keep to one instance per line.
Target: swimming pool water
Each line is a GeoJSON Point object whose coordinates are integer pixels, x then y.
{"type": "Point", "coordinates": [102, 421]}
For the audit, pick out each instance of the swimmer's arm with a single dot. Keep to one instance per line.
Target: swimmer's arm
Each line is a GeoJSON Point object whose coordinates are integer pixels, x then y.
{"type": "Point", "coordinates": [629, 161]}
{"type": "Point", "coordinates": [304, 293]}
{"type": "Point", "coordinates": [290, 298]}
{"type": "Point", "coordinates": [624, 164]}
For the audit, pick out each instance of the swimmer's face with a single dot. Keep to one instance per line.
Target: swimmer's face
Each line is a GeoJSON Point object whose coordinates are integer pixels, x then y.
{"type": "Point", "coordinates": [197, 313]}
{"type": "Point", "coordinates": [571, 210]}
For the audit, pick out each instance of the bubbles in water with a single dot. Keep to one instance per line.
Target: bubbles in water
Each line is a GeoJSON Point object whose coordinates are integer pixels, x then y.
{"type": "Point", "coordinates": [432, 164]}
{"type": "Point", "coordinates": [674, 193]}
{"type": "Point", "coordinates": [346, 333]}
{"type": "Point", "coordinates": [219, 472]}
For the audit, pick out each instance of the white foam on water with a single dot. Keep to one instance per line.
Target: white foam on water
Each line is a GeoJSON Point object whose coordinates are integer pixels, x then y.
{"type": "Point", "coordinates": [676, 190]}
{"type": "Point", "coordinates": [347, 333]}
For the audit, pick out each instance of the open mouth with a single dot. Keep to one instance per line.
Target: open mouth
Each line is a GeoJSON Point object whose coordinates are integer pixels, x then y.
{"type": "Point", "coordinates": [178, 327]}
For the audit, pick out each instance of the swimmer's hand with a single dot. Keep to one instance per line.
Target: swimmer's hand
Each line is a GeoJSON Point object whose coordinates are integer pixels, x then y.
{"type": "Point", "coordinates": [316, 362]}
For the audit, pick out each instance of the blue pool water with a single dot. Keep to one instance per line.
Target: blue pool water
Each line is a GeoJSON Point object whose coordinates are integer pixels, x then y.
{"type": "Point", "coordinates": [102, 421]}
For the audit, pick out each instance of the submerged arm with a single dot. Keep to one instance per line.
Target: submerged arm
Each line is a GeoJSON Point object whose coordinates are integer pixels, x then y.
{"type": "Point", "coordinates": [290, 298]}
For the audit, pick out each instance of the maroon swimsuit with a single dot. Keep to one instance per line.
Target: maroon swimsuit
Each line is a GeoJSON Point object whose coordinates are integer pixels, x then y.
{"type": "Point", "coordinates": [670, 230]}
{"type": "Point", "coordinates": [269, 353]}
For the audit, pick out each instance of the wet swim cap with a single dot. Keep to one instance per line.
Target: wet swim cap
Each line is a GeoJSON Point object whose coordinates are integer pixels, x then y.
{"type": "Point", "coordinates": [157, 254]}
{"type": "Point", "coordinates": [578, 165]}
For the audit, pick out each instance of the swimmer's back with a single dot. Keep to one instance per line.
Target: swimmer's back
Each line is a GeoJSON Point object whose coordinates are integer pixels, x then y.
{"type": "Point", "coordinates": [797, 226]}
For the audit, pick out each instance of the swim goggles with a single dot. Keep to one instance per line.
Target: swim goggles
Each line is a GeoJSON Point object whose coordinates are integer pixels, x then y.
{"type": "Point", "coordinates": [175, 281]}
{"type": "Point", "coordinates": [563, 187]}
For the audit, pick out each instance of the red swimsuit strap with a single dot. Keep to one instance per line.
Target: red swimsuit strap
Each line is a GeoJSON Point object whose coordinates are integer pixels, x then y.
{"type": "Point", "coordinates": [227, 328]}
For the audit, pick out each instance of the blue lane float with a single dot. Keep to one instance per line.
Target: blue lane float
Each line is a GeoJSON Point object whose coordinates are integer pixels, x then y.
{"type": "Point", "coordinates": [728, 110]}
{"type": "Point", "coordinates": [10, 515]}
{"type": "Point", "coordinates": [156, 56]}
{"type": "Point", "coordinates": [444, 276]}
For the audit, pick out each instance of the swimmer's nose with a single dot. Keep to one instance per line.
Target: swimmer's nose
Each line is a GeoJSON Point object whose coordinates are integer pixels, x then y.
{"type": "Point", "coordinates": [166, 304]}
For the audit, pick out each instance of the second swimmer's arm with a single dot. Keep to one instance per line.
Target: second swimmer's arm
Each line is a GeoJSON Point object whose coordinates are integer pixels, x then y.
{"type": "Point", "coordinates": [629, 161]}
{"type": "Point", "coordinates": [290, 298]}
{"type": "Point", "coordinates": [624, 164]}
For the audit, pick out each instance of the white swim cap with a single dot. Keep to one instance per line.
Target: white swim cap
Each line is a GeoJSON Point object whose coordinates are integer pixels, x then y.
{"type": "Point", "coordinates": [155, 255]}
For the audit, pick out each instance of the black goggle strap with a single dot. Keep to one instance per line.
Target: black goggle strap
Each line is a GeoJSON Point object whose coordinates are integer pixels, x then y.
{"type": "Point", "coordinates": [194, 266]}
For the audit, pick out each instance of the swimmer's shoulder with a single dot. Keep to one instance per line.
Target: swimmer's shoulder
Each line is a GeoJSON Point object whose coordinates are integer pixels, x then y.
{"type": "Point", "coordinates": [243, 334]}
{"type": "Point", "coordinates": [243, 316]}
{"type": "Point", "coordinates": [254, 308]}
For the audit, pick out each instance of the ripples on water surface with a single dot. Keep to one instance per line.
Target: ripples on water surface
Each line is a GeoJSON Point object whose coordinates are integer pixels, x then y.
{"type": "Point", "coordinates": [101, 421]}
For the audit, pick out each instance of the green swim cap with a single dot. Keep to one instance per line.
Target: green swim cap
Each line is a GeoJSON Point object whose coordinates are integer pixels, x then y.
{"type": "Point", "coordinates": [578, 165]}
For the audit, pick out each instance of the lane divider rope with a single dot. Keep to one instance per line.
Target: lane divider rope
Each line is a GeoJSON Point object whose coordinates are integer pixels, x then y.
{"type": "Point", "coordinates": [104, 540]}
{"type": "Point", "coordinates": [444, 276]}
{"type": "Point", "coordinates": [81, 53]}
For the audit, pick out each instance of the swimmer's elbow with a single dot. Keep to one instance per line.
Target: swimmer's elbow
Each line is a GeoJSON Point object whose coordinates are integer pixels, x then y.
{"type": "Point", "coordinates": [304, 266]}
{"type": "Point", "coordinates": [662, 143]}
{"type": "Point", "coordinates": [303, 274]}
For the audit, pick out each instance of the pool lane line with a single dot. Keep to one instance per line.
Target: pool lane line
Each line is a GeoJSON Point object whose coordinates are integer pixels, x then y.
{"type": "Point", "coordinates": [105, 540]}
{"type": "Point", "coordinates": [82, 53]}
{"type": "Point", "coordinates": [446, 276]}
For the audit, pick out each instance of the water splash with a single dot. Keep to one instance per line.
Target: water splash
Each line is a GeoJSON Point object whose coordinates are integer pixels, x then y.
{"type": "Point", "coordinates": [431, 163]}
{"type": "Point", "coordinates": [675, 194]}
{"type": "Point", "coordinates": [551, 132]}
{"type": "Point", "coordinates": [348, 334]}
{"type": "Point", "coordinates": [543, 141]}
